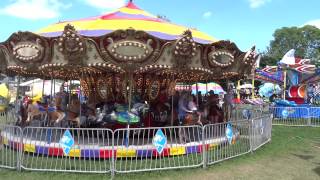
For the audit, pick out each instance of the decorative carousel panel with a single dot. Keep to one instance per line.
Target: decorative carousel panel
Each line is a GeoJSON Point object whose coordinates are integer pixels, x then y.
{"type": "Point", "coordinates": [28, 47]}
{"type": "Point", "coordinates": [130, 50]}
{"type": "Point", "coordinates": [221, 58]}
{"type": "Point", "coordinates": [154, 89]}
{"type": "Point", "coordinates": [250, 56]}
{"type": "Point", "coordinates": [185, 46]}
{"type": "Point", "coordinates": [72, 45]}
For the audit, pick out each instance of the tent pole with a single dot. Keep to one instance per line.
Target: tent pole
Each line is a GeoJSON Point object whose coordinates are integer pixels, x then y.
{"type": "Point", "coordinates": [253, 79]}
{"type": "Point", "coordinates": [284, 84]}
{"type": "Point", "coordinates": [172, 96]}
{"type": "Point", "coordinates": [238, 90]}
{"type": "Point", "coordinates": [18, 87]}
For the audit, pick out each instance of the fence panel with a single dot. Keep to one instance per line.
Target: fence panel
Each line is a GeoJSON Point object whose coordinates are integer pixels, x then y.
{"type": "Point", "coordinates": [90, 152]}
{"type": "Point", "coordinates": [8, 117]}
{"type": "Point", "coordinates": [219, 147]}
{"type": "Point", "coordinates": [314, 115]}
{"type": "Point", "coordinates": [291, 116]}
{"type": "Point", "coordinates": [141, 149]}
{"type": "Point", "coordinates": [242, 112]}
{"type": "Point", "coordinates": [10, 146]}
{"type": "Point", "coordinates": [260, 131]}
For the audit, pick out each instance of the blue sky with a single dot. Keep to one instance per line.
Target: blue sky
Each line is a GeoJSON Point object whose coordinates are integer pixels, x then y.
{"type": "Point", "coordinates": [245, 22]}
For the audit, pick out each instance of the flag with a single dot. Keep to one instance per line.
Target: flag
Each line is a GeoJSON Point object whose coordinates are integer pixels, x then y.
{"type": "Point", "coordinates": [289, 58]}
{"type": "Point", "coordinates": [258, 61]}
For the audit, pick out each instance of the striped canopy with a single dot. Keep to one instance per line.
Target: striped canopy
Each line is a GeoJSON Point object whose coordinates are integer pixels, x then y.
{"type": "Point", "coordinates": [129, 16]}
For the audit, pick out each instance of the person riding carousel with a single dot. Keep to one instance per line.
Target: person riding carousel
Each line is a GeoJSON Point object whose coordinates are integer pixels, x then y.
{"type": "Point", "coordinates": [215, 113]}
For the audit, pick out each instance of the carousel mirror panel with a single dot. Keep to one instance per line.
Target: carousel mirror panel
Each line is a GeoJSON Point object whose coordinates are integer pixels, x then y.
{"type": "Point", "coordinates": [154, 89]}
{"type": "Point", "coordinates": [104, 89]}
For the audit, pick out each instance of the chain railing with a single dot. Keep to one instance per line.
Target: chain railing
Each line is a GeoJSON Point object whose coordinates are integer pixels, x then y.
{"type": "Point", "coordinates": [129, 150]}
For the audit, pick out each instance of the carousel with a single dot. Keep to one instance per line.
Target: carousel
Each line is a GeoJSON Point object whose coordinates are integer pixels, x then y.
{"type": "Point", "coordinates": [127, 63]}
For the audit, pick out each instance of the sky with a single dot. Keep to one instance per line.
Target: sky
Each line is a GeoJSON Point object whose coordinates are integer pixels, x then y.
{"type": "Point", "coordinates": [245, 22]}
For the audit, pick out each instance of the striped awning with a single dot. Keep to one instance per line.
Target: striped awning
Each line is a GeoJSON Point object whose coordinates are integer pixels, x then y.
{"type": "Point", "coordinates": [129, 16]}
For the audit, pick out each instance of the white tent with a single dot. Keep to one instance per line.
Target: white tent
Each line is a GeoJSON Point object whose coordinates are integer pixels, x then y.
{"type": "Point", "coordinates": [36, 87]}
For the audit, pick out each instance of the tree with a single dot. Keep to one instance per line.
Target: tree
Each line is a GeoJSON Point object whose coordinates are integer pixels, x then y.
{"type": "Point", "coordinates": [305, 40]}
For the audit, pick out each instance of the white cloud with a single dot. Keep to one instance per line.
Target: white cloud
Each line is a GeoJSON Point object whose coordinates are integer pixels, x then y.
{"type": "Point", "coordinates": [315, 23]}
{"type": "Point", "coordinates": [106, 4]}
{"type": "Point", "coordinates": [257, 3]}
{"type": "Point", "coordinates": [34, 9]}
{"type": "Point", "coordinates": [207, 14]}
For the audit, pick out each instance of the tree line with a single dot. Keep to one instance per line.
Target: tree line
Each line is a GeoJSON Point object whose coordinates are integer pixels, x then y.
{"type": "Point", "coordinates": [305, 40]}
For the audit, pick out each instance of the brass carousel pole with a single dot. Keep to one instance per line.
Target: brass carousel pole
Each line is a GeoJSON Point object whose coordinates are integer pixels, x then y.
{"type": "Point", "coordinates": [130, 74]}
{"type": "Point", "coordinates": [43, 81]}
{"type": "Point", "coordinates": [253, 81]}
{"type": "Point", "coordinates": [18, 87]}
{"type": "Point", "coordinates": [172, 96]}
{"type": "Point", "coordinates": [238, 90]}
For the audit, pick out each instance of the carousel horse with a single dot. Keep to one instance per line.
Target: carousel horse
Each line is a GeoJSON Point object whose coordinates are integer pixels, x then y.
{"type": "Point", "coordinates": [33, 110]}
{"type": "Point", "coordinates": [73, 112]}
{"type": "Point", "coordinates": [38, 109]}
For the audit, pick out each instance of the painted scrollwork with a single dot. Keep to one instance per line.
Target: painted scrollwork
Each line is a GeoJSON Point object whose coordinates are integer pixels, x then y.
{"type": "Point", "coordinates": [250, 57]}
{"type": "Point", "coordinates": [184, 48]}
{"type": "Point", "coordinates": [71, 44]}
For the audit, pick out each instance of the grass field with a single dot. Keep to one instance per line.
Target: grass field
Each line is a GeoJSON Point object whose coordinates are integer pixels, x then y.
{"type": "Point", "coordinates": [294, 153]}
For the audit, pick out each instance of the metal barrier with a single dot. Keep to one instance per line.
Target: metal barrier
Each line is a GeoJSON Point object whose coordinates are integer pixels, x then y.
{"type": "Point", "coordinates": [128, 150]}
{"type": "Point", "coordinates": [10, 147]}
{"type": "Point", "coordinates": [182, 149]}
{"type": "Point", "coordinates": [260, 131]}
{"type": "Point", "coordinates": [314, 116]}
{"type": "Point", "coordinates": [8, 117]}
{"type": "Point", "coordinates": [296, 116]}
{"type": "Point", "coordinates": [43, 150]}
{"type": "Point", "coordinates": [249, 111]}
{"type": "Point", "coordinates": [219, 148]}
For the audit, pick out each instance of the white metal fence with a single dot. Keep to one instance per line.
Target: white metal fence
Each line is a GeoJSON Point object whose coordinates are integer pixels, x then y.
{"type": "Point", "coordinates": [221, 148]}
{"type": "Point", "coordinates": [296, 116]}
{"type": "Point", "coordinates": [129, 150]}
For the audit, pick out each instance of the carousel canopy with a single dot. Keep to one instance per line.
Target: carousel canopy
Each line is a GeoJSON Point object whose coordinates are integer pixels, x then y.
{"type": "Point", "coordinates": [125, 42]}
{"type": "Point", "coordinates": [129, 16]}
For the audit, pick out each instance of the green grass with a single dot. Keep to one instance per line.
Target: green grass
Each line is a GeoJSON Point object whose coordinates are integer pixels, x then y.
{"type": "Point", "coordinates": [294, 153]}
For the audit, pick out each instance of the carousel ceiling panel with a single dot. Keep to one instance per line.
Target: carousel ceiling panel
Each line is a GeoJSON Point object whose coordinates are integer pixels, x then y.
{"type": "Point", "coordinates": [126, 17]}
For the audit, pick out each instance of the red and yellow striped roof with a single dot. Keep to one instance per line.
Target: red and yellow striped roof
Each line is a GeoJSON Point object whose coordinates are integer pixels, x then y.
{"type": "Point", "coordinates": [129, 16]}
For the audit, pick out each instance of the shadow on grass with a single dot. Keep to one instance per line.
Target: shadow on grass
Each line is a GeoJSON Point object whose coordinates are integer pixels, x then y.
{"type": "Point", "coordinates": [317, 170]}
{"type": "Point", "coordinates": [304, 157]}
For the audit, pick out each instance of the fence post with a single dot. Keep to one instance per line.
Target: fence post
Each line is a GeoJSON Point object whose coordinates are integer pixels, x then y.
{"type": "Point", "coordinates": [251, 134]}
{"type": "Point", "coordinates": [113, 155]}
{"type": "Point", "coordinates": [204, 153]}
{"type": "Point", "coordinates": [20, 149]}
{"type": "Point", "coordinates": [309, 117]}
